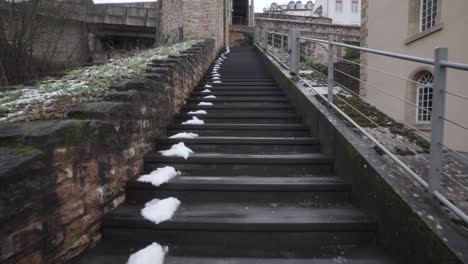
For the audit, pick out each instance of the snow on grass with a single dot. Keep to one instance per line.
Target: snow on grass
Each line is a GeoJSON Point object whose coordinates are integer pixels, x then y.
{"type": "Point", "coordinates": [177, 150]}
{"type": "Point", "coordinates": [158, 211]}
{"type": "Point", "coordinates": [198, 112]}
{"type": "Point", "coordinates": [194, 121]}
{"type": "Point", "coordinates": [184, 135]}
{"type": "Point", "coordinates": [152, 254]}
{"type": "Point", "coordinates": [53, 97]}
{"type": "Point", "coordinates": [205, 103]}
{"type": "Point", "coordinates": [207, 90]}
{"type": "Point", "coordinates": [159, 176]}
{"type": "Point", "coordinates": [209, 96]}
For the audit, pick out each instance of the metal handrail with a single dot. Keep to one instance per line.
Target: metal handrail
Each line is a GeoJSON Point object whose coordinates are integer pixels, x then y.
{"type": "Point", "coordinates": [440, 64]}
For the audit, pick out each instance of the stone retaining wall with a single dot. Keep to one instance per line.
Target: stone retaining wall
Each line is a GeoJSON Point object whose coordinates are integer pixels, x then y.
{"type": "Point", "coordinates": [59, 177]}
{"type": "Point", "coordinates": [319, 28]}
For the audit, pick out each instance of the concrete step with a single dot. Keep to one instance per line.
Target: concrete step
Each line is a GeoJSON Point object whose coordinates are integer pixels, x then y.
{"type": "Point", "coordinates": [242, 130]}
{"type": "Point", "coordinates": [317, 191]}
{"type": "Point", "coordinates": [215, 164]}
{"type": "Point", "coordinates": [244, 229]}
{"type": "Point", "coordinates": [111, 253]}
{"type": "Point", "coordinates": [219, 119]}
{"type": "Point", "coordinates": [236, 108]}
{"type": "Point", "coordinates": [240, 99]}
{"type": "Point", "coordinates": [198, 92]}
{"type": "Point", "coordinates": [245, 145]}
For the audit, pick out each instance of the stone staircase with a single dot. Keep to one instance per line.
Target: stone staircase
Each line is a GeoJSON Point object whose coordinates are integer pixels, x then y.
{"type": "Point", "coordinates": [256, 190]}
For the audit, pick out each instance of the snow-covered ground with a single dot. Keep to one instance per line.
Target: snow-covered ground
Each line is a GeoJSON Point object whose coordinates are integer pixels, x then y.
{"type": "Point", "coordinates": [160, 176]}
{"type": "Point", "coordinates": [152, 254]}
{"type": "Point", "coordinates": [177, 150]}
{"type": "Point", "coordinates": [52, 97]}
{"type": "Point", "coordinates": [158, 211]}
{"type": "Point", "coordinates": [184, 135]}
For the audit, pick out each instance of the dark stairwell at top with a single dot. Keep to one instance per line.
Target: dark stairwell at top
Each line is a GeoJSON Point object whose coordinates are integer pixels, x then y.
{"type": "Point", "coordinates": [256, 190]}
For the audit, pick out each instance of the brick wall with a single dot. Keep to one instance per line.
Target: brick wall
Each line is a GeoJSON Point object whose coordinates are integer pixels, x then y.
{"type": "Point", "coordinates": [59, 177]}
{"type": "Point", "coordinates": [204, 18]}
{"type": "Point", "coordinates": [316, 29]}
{"type": "Point", "coordinates": [171, 21]}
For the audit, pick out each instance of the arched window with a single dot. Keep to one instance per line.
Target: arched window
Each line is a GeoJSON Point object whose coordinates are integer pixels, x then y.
{"type": "Point", "coordinates": [309, 5]}
{"type": "Point", "coordinates": [291, 5]}
{"type": "Point", "coordinates": [424, 97]}
{"type": "Point", "coordinates": [298, 5]}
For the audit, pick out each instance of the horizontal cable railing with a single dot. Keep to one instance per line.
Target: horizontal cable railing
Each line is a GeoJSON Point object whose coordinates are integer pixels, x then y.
{"type": "Point", "coordinates": [293, 52]}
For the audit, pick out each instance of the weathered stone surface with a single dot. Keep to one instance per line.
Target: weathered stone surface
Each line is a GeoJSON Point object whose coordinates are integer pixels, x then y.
{"type": "Point", "coordinates": [63, 175]}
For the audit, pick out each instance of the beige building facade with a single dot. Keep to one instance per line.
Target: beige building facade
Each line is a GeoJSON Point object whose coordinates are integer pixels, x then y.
{"type": "Point", "coordinates": [404, 89]}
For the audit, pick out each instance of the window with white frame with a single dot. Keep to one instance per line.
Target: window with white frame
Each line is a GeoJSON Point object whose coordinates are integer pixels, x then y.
{"type": "Point", "coordinates": [339, 6]}
{"type": "Point", "coordinates": [355, 6]}
{"type": "Point", "coordinates": [424, 97]}
{"type": "Point", "coordinates": [428, 14]}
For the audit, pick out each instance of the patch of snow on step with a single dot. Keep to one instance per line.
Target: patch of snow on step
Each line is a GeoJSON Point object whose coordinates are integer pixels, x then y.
{"type": "Point", "coordinates": [215, 78]}
{"type": "Point", "coordinates": [160, 176]}
{"type": "Point", "coordinates": [209, 96]}
{"type": "Point", "coordinates": [208, 86]}
{"type": "Point", "coordinates": [158, 211]}
{"type": "Point", "coordinates": [206, 90]}
{"type": "Point", "coordinates": [177, 150]}
{"type": "Point", "coordinates": [184, 135]}
{"type": "Point", "coordinates": [216, 75]}
{"type": "Point", "coordinates": [205, 103]}
{"type": "Point", "coordinates": [198, 112]}
{"type": "Point", "coordinates": [217, 82]}
{"type": "Point", "coordinates": [194, 121]}
{"type": "Point", "coordinates": [152, 254]}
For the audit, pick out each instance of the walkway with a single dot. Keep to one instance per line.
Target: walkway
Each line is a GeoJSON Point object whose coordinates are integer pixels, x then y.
{"type": "Point", "coordinates": [256, 190]}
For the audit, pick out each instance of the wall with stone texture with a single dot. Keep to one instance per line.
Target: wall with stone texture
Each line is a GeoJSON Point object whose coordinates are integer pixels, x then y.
{"type": "Point", "coordinates": [59, 177]}
{"type": "Point", "coordinates": [204, 18]}
{"type": "Point", "coordinates": [310, 28]}
{"type": "Point", "coordinates": [170, 21]}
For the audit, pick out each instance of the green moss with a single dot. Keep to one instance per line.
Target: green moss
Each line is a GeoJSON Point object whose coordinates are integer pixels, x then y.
{"type": "Point", "coordinates": [378, 119]}
{"type": "Point", "coordinates": [408, 223]}
{"type": "Point", "coordinates": [18, 148]}
{"type": "Point", "coordinates": [103, 136]}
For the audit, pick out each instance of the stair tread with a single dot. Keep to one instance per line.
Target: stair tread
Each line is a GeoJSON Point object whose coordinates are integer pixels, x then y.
{"type": "Point", "coordinates": [223, 158]}
{"type": "Point", "coordinates": [248, 216]}
{"type": "Point", "coordinates": [243, 126]}
{"type": "Point", "coordinates": [242, 140]}
{"type": "Point", "coordinates": [241, 115]}
{"type": "Point", "coordinates": [248, 183]}
{"type": "Point", "coordinates": [111, 252]}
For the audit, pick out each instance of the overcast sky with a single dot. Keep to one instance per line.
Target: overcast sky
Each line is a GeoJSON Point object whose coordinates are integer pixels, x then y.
{"type": "Point", "coordinates": [259, 4]}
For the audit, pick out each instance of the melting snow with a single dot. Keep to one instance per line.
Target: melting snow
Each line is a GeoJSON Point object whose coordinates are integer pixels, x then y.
{"type": "Point", "coordinates": [205, 103]}
{"type": "Point", "coordinates": [158, 211]}
{"type": "Point", "coordinates": [217, 82]}
{"type": "Point", "coordinates": [193, 121]}
{"type": "Point", "coordinates": [152, 254]}
{"type": "Point", "coordinates": [209, 96]}
{"type": "Point", "coordinates": [160, 176]}
{"type": "Point", "coordinates": [215, 78]}
{"type": "Point", "coordinates": [177, 150]}
{"type": "Point", "coordinates": [208, 86]}
{"type": "Point", "coordinates": [206, 90]}
{"type": "Point", "coordinates": [184, 135]}
{"type": "Point", "coordinates": [198, 112]}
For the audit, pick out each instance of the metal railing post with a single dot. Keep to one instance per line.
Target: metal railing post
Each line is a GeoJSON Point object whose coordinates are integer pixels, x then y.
{"type": "Point", "coordinates": [330, 70]}
{"type": "Point", "coordinates": [282, 44]}
{"type": "Point", "coordinates": [265, 39]}
{"type": "Point", "coordinates": [437, 122]}
{"type": "Point", "coordinates": [294, 51]}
